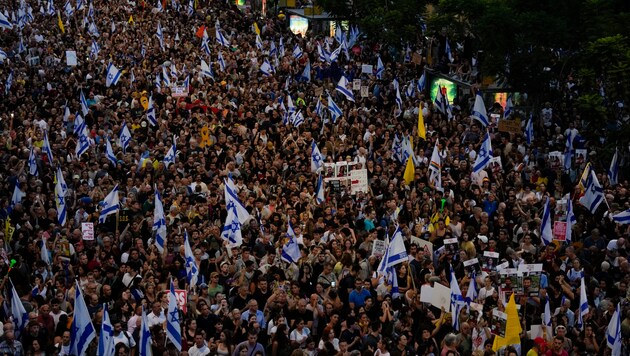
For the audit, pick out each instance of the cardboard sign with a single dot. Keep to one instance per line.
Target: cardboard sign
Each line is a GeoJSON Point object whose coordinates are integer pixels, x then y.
{"type": "Point", "coordinates": [511, 126]}
{"type": "Point", "coordinates": [367, 69]}
{"type": "Point", "coordinates": [439, 296]}
{"type": "Point", "coordinates": [358, 181]}
{"type": "Point", "coordinates": [378, 248]}
{"type": "Point", "coordinates": [87, 228]}
{"type": "Point", "coordinates": [424, 245]}
{"type": "Point", "coordinates": [179, 91]}
{"type": "Point", "coordinates": [356, 84]}
{"type": "Point", "coordinates": [365, 91]}
{"type": "Point", "coordinates": [182, 298]}
{"type": "Point", "coordinates": [560, 230]}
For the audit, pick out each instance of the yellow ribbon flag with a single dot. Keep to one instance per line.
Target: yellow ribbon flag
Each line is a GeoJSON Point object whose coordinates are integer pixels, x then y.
{"type": "Point", "coordinates": [422, 132]}
{"type": "Point", "coordinates": [60, 23]}
{"type": "Point", "coordinates": [131, 19]}
{"type": "Point", "coordinates": [513, 327]}
{"type": "Point", "coordinates": [410, 171]}
{"type": "Point", "coordinates": [256, 29]}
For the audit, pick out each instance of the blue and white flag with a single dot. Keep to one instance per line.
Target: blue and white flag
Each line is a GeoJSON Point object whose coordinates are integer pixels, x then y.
{"type": "Point", "coordinates": [291, 250]}
{"type": "Point", "coordinates": [151, 113]}
{"type": "Point", "coordinates": [471, 294]}
{"type": "Point", "coordinates": [319, 108]}
{"type": "Point", "coordinates": [109, 152]}
{"type": "Point", "coordinates": [449, 53]}
{"type": "Point", "coordinates": [411, 89]}
{"type": "Point", "coordinates": [509, 107]}
{"type": "Point", "coordinates": [259, 42]}
{"type": "Point", "coordinates": [613, 332]}
{"type": "Point", "coordinates": [158, 82]}
{"type": "Point", "coordinates": [187, 82]}
{"type": "Point", "coordinates": [80, 5]}
{"type": "Point", "coordinates": [380, 68]}
{"type": "Point", "coordinates": [106, 345]}
{"type": "Point", "coordinates": [281, 47]}
{"type": "Point", "coordinates": [320, 190]}
{"type": "Point", "coordinates": [484, 155]}
{"type": "Point", "coordinates": [90, 9]}
{"type": "Point", "coordinates": [82, 331]}
{"type": "Point", "coordinates": [62, 182]}
{"type": "Point", "coordinates": [546, 230]}
{"type": "Point", "coordinates": [221, 61]}
{"type": "Point", "coordinates": [571, 220]}
{"type": "Point", "coordinates": [84, 104]}
{"type": "Point", "coordinates": [479, 111]}
{"type": "Point", "coordinates": [9, 82]}
{"type": "Point", "coordinates": [297, 51]}
{"type": "Point", "coordinates": [440, 101]}
{"type": "Point", "coordinates": [317, 161]}
{"type": "Point", "coordinates": [529, 131]}
{"type": "Point", "coordinates": [21, 46]}
{"type": "Point", "coordinates": [342, 87]}
{"type": "Point", "coordinates": [457, 301]}
{"type": "Point", "coordinates": [18, 312]}
{"type": "Point", "coordinates": [144, 347]}
{"type": "Point", "coordinates": [159, 33]}
{"type": "Point", "coordinates": [297, 119]}
{"type": "Point", "coordinates": [78, 125]}
{"type": "Point", "coordinates": [622, 217]}
{"type": "Point", "coordinates": [399, 103]}
{"type": "Point", "coordinates": [221, 39]}
{"type": "Point", "coordinates": [67, 8]}
{"type": "Point", "coordinates": [396, 252]}
{"type": "Point", "coordinates": [613, 171]}
{"type": "Point", "coordinates": [159, 6]}
{"type": "Point", "coordinates": [191, 8]}
{"type": "Point", "coordinates": [170, 155]}
{"type": "Point", "coordinates": [165, 77]}
{"type": "Point", "coordinates": [232, 228]}
{"type": "Point", "coordinates": [323, 57]}
{"type": "Point", "coordinates": [111, 205]}
{"type": "Point", "coordinates": [60, 202]}
{"type": "Point", "coordinates": [206, 71]}
{"type": "Point", "coordinates": [392, 279]}
{"type": "Point", "coordinates": [44, 254]}
{"type": "Point", "coordinates": [124, 137]}
{"type": "Point", "coordinates": [583, 311]}
{"type": "Point", "coordinates": [421, 84]}
{"type": "Point", "coordinates": [266, 68]}
{"type": "Point", "coordinates": [192, 271]}
{"type": "Point", "coordinates": [382, 267]}
{"type": "Point", "coordinates": [95, 49]}
{"type": "Point", "coordinates": [232, 201]}
{"type": "Point", "coordinates": [335, 110]}
{"type": "Point", "coordinates": [397, 150]}
{"type": "Point", "coordinates": [83, 144]}
{"type": "Point", "coordinates": [159, 222]}
{"type": "Point", "coordinates": [113, 75]}
{"type": "Point", "coordinates": [306, 74]}
{"type": "Point", "coordinates": [32, 163]}
{"type": "Point", "coordinates": [50, 9]}
{"type": "Point", "coordinates": [47, 149]}
{"type": "Point", "coordinates": [594, 194]}
{"type": "Point", "coordinates": [5, 22]}
{"type": "Point", "coordinates": [547, 321]}
{"type": "Point", "coordinates": [93, 30]}
{"type": "Point", "coordinates": [173, 325]}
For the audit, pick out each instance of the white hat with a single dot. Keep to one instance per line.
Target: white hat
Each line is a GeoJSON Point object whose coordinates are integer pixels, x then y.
{"type": "Point", "coordinates": [483, 238]}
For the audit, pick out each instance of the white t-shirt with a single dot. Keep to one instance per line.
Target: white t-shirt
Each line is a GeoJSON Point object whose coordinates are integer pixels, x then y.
{"type": "Point", "coordinates": [300, 337]}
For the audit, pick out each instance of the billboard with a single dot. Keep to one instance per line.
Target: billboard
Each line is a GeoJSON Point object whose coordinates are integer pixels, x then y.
{"type": "Point", "coordinates": [298, 24]}
{"type": "Point", "coordinates": [448, 88]}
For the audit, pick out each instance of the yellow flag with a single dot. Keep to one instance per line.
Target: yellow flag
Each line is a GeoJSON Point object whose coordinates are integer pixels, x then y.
{"type": "Point", "coordinates": [584, 177]}
{"type": "Point", "coordinates": [131, 19]}
{"type": "Point", "coordinates": [60, 23]}
{"type": "Point", "coordinates": [410, 171]}
{"type": "Point", "coordinates": [512, 327]}
{"type": "Point", "coordinates": [256, 29]}
{"type": "Point", "coordinates": [422, 132]}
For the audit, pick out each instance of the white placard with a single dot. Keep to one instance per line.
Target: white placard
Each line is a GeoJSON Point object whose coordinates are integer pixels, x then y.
{"type": "Point", "coordinates": [356, 84]}
{"type": "Point", "coordinates": [358, 181]}
{"type": "Point", "coordinates": [424, 245]}
{"type": "Point", "coordinates": [378, 248]}
{"type": "Point", "coordinates": [87, 228]}
{"type": "Point", "coordinates": [365, 92]}
{"type": "Point", "coordinates": [367, 69]}
{"type": "Point", "coordinates": [470, 262]}
{"type": "Point", "coordinates": [536, 267]}
{"type": "Point", "coordinates": [442, 296]}
{"type": "Point", "coordinates": [71, 58]}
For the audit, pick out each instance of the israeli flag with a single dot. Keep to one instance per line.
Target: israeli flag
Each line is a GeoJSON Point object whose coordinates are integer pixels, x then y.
{"type": "Point", "coordinates": [421, 84]}
{"type": "Point", "coordinates": [165, 77]}
{"type": "Point", "coordinates": [113, 75]}
{"type": "Point", "coordinates": [317, 161]}
{"type": "Point", "coordinates": [232, 228]}
{"type": "Point", "coordinates": [187, 82]}
{"type": "Point", "coordinates": [66, 112]}
{"type": "Point", "coordinates": [457, 301]}
{"type": "Point", "coordinates": [622, 217]}
{"type": "Point", "coordinates": [281, 47]}
{"type": "Point", "coordinates": [47, 149]}
{"type": "Point", "coordinates": [447, 50]}
{"type": "Point", "coordinates": [158, 82]}
{"type": "Point", "coordinates": [93, 30]}
{"type": "Point", "coordinates": [18, 312]}
{"type": "Point", "coordinates": [440, 101]}
{"type": "Point", "coordinates": [82, 331]}
{"type": "Point", "coordinates": [159, 222]}
{"type": "Point", "coordinates": [221, 38]}
{"type": "Point", "coordinates": [125, 137]}
{"type": "Point", "coordinates": [571, 220]}
{"type": "Point", "coordinates": [306, 74]}
{"type": "Point", "coordinates": [266, 68]}
{"type": "Point", "coordinates": [144, 346]}
{"type": "Point", "coordinates": [396, 250]}
{"type": "Point", "coordinates": [291, 250]}
{"type": "Point", "coordinates": [583, 304]}
{"type": "Point", "coordinates": [106, 345]}
{"type": "Point", "coordinates": [297, 51]}
{"type": "Point", "coordinates": [594, 194]}
{"type": "Point", "coordinates": [380, 68]}
{"type": "Point", "coordinates": [221, 62]}
{"type": "Point", "coordinates": [173, 325]}
{"type": "Point", "coordinates": [319, 195]}
{"type": "Point", "coordinates": [79, 124]}
{"type": "Point", "coordinates": [5, 22]}
{"type": "Point", "coordinates": [484, 155]}
{"type": "Point", "coordinates": [206, 71]}
{"type": "Point", "coordinates": [529, 131]}
{"type": "Point", "coordinates": [84, 104]}
{"type": "Point", "coordinates": [191, 8]}
{"type": "Point", "coordinates": [547, 320]}
{"type": "Point", "coordinates": [472, 293]}
{"type": "Point", "coordinates": [32, 163]}
{"type": "Point", "coordinates": [90, 9]}
{"type": "Point", "coordinates": [399, 102]}
{"type": "Point", "coordinates": [259, 42]}
{"type": "Point", "coordinates": [170, 155]}
{"type": "Point", "coordinates": [95, 49]}
{"type": "Point", "coordinates": [232, 201]}
{"type": "Point", "coordinates": [479, 111]}
{"type": "Point", "coordinates": [21, 46]}
{"type": "Point", "coordinates": [613, 171]}
{"type": "Point", "coordinates": [151, 112]}
{"type": "Point", "coordinates": [334, 54]}
{"type": "Point", "coordinates": [546, 231]}
{"type": "Point", "coordinates": [159, 6]}
{"type": "Point", "coordinates": [319, 108]}
{"type": "Point", "coordinates": [7, 85]}
{"type": "Point", "coordinates": [411, 89]}
{"type": "Point", "coordinates": [382, 267]}
{"type": "Point", "coordinates": [509, 107]}
{"type": "Point", "coordinates": [342, 87]}
{"type": "Point", "coordinates": [335, 111]}
{"type": "Point", "coordinates": [80, 5]}
{"type": "Point", "coordinates": [83, 144]}
{"type": "Point", "coordinates": [397, 150]}
{"type": "Point", "coordinates": [205, 46]}
{"type": "Point", "coordinates": [3, 56]}
{"type": "Point", "coordinates": [192, 271]}
{"type": "Point", "coordinates": [110, 205]}
{"type": "Point", "coordinates": [323, 57]}
{"type": "Point", "coordinates": [60, 202]}
{"type": "Point", "coordinates": [67, 8]}
{"type": "Point", "coordinates": [174, 73]}
{"type": "Point", "coordinates": [613, 332]}
{"type": "Point", "coordinates": [109, 152]}
{"type": "Point", "coordinates": [62, 182]}
{"type": "Point", "coordinates": [159, 33]}
{"type": "Point", "coordinates": [50, 8]}
{"type": "Point", "coordinates": [298, 119]}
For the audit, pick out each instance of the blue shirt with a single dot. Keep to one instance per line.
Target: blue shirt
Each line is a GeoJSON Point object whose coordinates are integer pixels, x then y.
{"type": "Point", "coordinates": [260, 318]}
{"type": "Point", "coordinates": [358, 298]}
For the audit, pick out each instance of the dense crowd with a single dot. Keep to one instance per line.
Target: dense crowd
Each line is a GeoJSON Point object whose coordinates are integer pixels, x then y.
{"type": "Point", "coordinates": [207, 117]}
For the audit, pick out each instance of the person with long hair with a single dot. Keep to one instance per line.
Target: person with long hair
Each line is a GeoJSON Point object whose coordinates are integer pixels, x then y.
{"type": "Point", "coordinates": [328, 336]}
{"type": "Point", "coordinates": [189, 334]}
{"type": "Point", "coordinates": [224, 345]}
{"type": "Point", "coordinates": [280, 343]}
{"type": "Point", "coordinates": [299, 333]}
